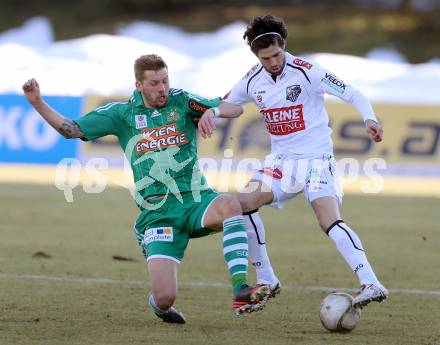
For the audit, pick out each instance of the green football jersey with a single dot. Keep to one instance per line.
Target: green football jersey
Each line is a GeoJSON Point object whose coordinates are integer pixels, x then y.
{"type": "Point", "coordinates": [160, 144]}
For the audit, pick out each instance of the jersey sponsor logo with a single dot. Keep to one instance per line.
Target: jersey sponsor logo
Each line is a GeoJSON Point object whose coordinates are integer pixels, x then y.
{"type": "Point", "coordinates": [259, 98]}
{"type": "Point", "coordinates": [26, 138]}
{"type": "Point", "coordinates": [164, 234]}
{"type": "Point", "coordinates": [274, 173]}
{"type": "Point", "coordinates": [160, 138]}
{"type": "Point", "coordinates": [334, 82]}
{"type": "Point", "coordinates": [309, 181]}
{"type": "Point", "coordinates": [292, 92]}
{"type": "Point", "coordinates": [250, 71]}
{"type": "Point", "coordinates": [358, 267]}
{"type": "Point", "coordinates": [197, 106]}
{"type": "Point", "coordinates": [302, 63]}
{"type": "Point", "coordinates": [141, 121]}
{"type": "Point", "coordinates": [155, 113]}
{"type": "Point", "coordinates": [259, 102]}
{"type": "Point", "coordinates": [283, 121]}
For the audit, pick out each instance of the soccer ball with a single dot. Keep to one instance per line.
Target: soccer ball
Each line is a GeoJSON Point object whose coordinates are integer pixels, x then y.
{"type": "Point", "coordinates": [337, 313]}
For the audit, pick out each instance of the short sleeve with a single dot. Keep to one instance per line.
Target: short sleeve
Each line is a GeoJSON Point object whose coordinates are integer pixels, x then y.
{"type": "Point", "coordinates": [240, 92]}
{"type": "Point", "coordinates": [100, 122]}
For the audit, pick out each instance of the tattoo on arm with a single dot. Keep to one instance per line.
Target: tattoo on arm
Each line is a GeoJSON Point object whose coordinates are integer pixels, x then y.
{"type": "Point", "coordinates": [70, 129]}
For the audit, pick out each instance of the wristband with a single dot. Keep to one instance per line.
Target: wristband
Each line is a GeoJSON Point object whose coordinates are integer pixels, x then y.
{"type": "Point", "coordinates": [215, 111]}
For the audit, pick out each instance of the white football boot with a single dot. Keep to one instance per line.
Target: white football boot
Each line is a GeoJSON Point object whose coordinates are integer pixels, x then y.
{"type": "Point", "coordinates": [369, 293]}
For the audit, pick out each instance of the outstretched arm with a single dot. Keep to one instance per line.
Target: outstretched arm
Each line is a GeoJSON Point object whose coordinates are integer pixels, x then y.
{"type": "Point", "coordinates": [206, 123]}
{"type": "Point", "coordinates": [65, 126]}
{"type": "Point", "coordinates": [323, 81]}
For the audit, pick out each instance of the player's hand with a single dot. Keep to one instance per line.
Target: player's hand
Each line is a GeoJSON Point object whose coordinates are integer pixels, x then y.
{"type": "Point", "coordinates": [31, 90]}
{"type": "Point", "coordinates": [206, 124]}
{"type": "Point", "coordinates": [374, 129]}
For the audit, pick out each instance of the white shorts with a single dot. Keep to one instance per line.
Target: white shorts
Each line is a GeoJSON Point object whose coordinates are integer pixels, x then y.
{"type": "Point", "coordinates": [287, 177]}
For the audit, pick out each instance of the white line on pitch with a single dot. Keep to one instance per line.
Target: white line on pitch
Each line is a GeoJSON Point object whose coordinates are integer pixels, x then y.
{"type": "Point", "coordinates": [7, 276]}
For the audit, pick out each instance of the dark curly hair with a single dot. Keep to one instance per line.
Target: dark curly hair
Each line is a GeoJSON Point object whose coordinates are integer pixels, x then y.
{"type": "Point", "coordinates": [261, 25]}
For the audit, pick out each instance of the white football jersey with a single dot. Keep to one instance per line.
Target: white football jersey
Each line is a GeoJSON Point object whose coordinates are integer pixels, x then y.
{"type": "Point", "coordinates": [292, 106]}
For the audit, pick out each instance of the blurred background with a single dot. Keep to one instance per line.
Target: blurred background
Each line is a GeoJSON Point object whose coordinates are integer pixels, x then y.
{"type": "Point", "coordinates": [354, 27]}
{"type": "Point", "coordinates": [82, 53]}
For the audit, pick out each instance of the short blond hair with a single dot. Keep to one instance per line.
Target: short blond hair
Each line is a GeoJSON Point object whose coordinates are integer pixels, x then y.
{"type": "Point", "coordinates": [150, 62]}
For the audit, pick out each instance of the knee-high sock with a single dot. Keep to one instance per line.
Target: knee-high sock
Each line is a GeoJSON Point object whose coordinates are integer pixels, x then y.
{"type": "Point", "coordinates": [257, 248]}
{"type": "Point", "coordinates": [350, 247]}
{"type": "Point", "coordinates": [235, 250]}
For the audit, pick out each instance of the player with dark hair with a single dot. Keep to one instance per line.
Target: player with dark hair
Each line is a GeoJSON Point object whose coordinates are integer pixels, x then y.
{"type": "Point", "coordinates": [264, 31]}
{"type": "Point", "coordinates": [156, 131]}
{"type": "Point", "coordinates": [289, 92]}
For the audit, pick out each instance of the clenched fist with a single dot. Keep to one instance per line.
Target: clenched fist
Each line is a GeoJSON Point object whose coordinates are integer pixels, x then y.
{"type": "Point", "coordinates": [374, 129]}
{"type": "Point", "coordinates": [31, 90]}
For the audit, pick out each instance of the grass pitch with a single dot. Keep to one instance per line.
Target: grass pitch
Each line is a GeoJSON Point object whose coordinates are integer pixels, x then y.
{"type": "Point", "coordinates": [60, 283]}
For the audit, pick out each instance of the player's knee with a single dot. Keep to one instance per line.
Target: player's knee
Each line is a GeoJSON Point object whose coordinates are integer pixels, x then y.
{"type": "Point", "coordinates": [230, 207]}
{"type": "Point", "coordinates": [254, 201]}
{"type": "Point", "coordinates": [326, 222]}
{"type": "Point", "coordinates": [164, 299]}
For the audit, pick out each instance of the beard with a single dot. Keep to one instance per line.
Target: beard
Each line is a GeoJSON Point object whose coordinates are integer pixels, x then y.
{"type": "Point", "coordinates": [156, 102]}
{"type": "Point", "coordinates": [279, 71]}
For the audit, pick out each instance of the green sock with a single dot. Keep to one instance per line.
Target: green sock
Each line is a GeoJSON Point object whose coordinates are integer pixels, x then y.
{"type": "Point", "coordinates": [235, 250]}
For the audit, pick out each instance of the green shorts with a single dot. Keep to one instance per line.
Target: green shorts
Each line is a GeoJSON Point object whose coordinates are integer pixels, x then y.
{"type": "Point", "coordinates": [165, 232]}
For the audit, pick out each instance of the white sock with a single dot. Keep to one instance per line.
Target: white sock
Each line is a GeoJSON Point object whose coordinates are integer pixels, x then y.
{"type": "Point", "coordinates": [257, 249]}
{"type": "Point", "coordinates": [350, 247]}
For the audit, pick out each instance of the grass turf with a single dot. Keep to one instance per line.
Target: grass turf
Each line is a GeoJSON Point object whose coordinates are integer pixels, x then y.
{"type": "Point", "coordinates": [401, 236]}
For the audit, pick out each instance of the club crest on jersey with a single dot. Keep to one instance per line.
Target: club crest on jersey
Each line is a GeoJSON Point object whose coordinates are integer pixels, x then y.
{"type": "Point", "coordinates": [292, 92]}
{"type": "Point", "coordinates": [141, 121]}
{"type": "Point", "coordinates": [173, 116]}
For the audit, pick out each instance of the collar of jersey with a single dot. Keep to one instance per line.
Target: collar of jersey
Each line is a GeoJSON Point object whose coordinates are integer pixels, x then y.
{"type": "Point", "coordinates": [137, 99]}
{"type": "Point", "coordinates": [270, 75]}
